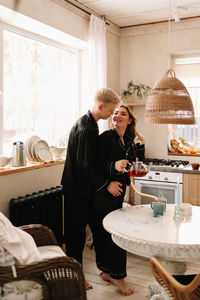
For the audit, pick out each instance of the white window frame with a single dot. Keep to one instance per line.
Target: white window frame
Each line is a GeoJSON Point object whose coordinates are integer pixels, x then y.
{"type": "Point", "coordinates": [39, 38]}
{"type": "Point", "coordinates": [1, 87]}
{"type": "Point", "coordinates": [193, 58]}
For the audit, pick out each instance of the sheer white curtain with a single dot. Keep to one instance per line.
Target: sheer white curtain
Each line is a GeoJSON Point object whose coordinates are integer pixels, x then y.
{"type": "Point", "coordinates": [97, 60]}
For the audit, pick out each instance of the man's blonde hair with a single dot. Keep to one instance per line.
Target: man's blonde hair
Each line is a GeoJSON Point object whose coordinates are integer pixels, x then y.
{"type": "Point", "coordinates": [107, 95]}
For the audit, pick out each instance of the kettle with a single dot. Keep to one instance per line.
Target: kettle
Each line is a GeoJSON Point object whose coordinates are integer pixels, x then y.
{"type": "Point", "coordinates": [18, 156]}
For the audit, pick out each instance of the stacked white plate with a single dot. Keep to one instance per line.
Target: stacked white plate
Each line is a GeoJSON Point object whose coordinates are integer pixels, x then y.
{"type": "Point", "coordinates": [38, 149]}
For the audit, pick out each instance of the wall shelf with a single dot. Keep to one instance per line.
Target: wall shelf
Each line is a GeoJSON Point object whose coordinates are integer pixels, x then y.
{"type": "Point", "coordinates": [134, 101]}
{"type": "Point", "coordinates": [184, 154]}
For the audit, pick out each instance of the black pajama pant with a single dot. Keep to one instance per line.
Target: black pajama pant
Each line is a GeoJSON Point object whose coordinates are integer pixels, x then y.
{"type": "Point", "coordinates": [110, 258]}
{"type": "Point", "coordinates": [76, 218]}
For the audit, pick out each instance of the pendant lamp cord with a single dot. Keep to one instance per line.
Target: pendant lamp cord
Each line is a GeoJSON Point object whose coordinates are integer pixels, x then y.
{"type": "Point", "coordinates": [170, 72]}
{"type": "Point", "coordinates": [169, 38]}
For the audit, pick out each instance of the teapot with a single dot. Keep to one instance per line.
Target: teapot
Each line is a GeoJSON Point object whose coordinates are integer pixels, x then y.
{"type": "Point", "coordinates": [139, 169]}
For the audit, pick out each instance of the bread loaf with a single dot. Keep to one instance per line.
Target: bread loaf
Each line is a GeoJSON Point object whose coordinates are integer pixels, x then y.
{"type": "Point", "coordinates": [176, 146]}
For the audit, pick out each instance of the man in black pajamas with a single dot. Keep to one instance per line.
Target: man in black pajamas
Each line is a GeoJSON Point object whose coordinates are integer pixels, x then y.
{"type": "Point", "coordinates": [78, 174]}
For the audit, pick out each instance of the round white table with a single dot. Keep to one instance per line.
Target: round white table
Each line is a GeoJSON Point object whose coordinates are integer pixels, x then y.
{"type": "Point", "coordinates": [136, 230]}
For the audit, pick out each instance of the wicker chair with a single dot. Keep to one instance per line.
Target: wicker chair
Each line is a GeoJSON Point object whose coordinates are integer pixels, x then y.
{"type": "Point", "coordinates": [176, 290]}
{"type": "Point", "coordinates": [61, 278]}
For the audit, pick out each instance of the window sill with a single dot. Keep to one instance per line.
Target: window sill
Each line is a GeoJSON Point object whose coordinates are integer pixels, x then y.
{"type": "Point", "coordinates": [30, 166]}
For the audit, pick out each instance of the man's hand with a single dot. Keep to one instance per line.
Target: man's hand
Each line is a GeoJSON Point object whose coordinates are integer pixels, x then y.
{"type": "Point", "coordinates": [120, 165]}
{"type": "Point", "coordinates": [114, 188]}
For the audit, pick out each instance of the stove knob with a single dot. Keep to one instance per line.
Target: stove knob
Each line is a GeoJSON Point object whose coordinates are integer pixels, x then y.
{"type": "Point", "coordinates": [166, 178]}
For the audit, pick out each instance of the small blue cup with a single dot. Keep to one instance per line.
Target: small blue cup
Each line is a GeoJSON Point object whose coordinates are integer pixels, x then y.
{"type": "Point", "coordinates": [163, 200]}
{"type": "Point", "coordinates": [158, 208]}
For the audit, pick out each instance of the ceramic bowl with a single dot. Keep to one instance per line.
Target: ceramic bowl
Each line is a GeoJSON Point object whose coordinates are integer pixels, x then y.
{"type": "Point", "coordinates": [4, 160]}
{"type": "Point", "coordinates": [57, 152]}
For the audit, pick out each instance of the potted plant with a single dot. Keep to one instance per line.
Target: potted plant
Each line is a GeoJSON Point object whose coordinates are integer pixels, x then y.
{"type": "Point", "coordinates": [139, 90]}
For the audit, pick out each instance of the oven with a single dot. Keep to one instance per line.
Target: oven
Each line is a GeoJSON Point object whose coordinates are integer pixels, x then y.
{"type": "Point", "coordinates": [160, 184]}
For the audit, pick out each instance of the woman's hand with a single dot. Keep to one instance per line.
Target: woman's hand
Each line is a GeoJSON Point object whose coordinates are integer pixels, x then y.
{"type": "Point", "coordinates": [140, 137]}
{"type": "Point", "coordinates": [120, 165]}
{"type": "Point", "coordinates": [114, 188]}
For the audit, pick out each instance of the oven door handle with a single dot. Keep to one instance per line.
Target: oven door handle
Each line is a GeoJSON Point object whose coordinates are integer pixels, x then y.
{"type": "Point", "coordinates": [158, 185]}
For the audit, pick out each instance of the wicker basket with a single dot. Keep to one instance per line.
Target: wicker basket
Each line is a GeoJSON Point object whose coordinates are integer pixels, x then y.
{"type": "Point", "coordinates": [169, 102]}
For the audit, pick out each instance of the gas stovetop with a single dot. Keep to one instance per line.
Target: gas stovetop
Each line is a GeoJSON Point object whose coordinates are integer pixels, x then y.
{"type": "Point", "coordinates": [167, 162]}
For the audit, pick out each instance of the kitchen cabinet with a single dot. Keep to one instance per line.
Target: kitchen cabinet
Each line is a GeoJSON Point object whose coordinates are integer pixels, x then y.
{"type": "Point", "coordinates": [191, 188]}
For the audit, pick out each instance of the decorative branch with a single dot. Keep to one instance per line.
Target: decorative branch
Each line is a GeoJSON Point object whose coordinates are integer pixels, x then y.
{"type": "Point", "coordinates": [140, 90]}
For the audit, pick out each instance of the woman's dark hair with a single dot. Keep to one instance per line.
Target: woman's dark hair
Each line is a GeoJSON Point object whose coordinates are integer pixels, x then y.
{"type": "Point", "coordinates": [131, 132]}
{"type": "Point", "coordinates": [131, 128]}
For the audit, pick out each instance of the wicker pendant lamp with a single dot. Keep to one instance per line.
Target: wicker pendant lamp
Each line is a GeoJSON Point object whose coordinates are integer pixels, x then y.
{"type": "Point", "coordinates": [169, 101]}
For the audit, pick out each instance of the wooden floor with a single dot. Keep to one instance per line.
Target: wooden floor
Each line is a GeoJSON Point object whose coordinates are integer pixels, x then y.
{"type": "Point", "coordinates": [139, 277]}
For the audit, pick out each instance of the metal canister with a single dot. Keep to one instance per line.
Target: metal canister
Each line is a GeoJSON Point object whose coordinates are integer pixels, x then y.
{"type": "Point", "coordinates": [19, 156]}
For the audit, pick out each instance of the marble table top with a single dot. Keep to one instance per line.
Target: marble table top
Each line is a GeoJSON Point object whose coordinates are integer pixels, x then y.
{"type": "Point", "coordinates": [136, 230]}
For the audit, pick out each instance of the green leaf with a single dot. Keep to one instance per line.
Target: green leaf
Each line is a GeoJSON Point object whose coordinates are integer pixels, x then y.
{"type": "Point", "coordinates": [140, 90]}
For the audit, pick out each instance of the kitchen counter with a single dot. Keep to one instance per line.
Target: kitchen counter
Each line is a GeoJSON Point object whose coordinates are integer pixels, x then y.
{"type": "Point", "coordinates": [187, 169]}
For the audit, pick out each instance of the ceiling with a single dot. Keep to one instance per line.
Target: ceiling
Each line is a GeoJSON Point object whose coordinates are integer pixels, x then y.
{"type": "Point", "coordinates": [134, 12]}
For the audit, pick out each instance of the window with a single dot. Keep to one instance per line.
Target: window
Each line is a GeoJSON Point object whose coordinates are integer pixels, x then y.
{"type": "Point", "coordinates": [187, 69]}
{"type": "Point", "coordinates": [40, 90]}
{"type": "Point", "coordinates": [191, 133]}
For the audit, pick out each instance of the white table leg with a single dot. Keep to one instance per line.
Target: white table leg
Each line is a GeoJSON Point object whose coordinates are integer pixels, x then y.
{"type": "Point", "coordinates": [174, 267]}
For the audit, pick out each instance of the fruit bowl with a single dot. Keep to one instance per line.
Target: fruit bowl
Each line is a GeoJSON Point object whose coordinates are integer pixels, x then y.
{"type": "Point", "coordinates": [4, 160]}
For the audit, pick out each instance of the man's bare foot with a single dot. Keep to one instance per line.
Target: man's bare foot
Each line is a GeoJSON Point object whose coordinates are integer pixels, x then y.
{"type": "Point", "coordinates": [88, 286]}
{"type": "Point", "coordinates": [105, 276]}
{"type": "Point", "coordinates": [122, 285]}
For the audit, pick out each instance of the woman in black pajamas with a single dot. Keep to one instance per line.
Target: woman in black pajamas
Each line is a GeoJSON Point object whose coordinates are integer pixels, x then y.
{"type": "Point", "coordinates": [116, 147]}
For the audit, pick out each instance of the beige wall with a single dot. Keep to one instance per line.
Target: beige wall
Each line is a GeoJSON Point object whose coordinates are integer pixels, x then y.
{"type": "Point", "coordinates": [144, 58]}
{"type": "Point", "coordinates": [22, 183]}
{"type": "Point", "coordinates": [66, 20]}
